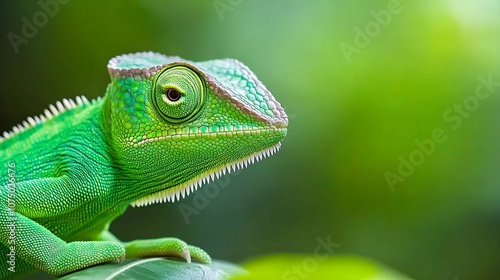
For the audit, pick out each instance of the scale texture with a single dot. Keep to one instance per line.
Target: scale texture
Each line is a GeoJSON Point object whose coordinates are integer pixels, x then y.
{"type": "Point", "coordinates": [164, 128]}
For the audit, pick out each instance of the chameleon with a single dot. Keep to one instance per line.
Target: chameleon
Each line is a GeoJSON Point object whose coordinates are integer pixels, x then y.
{"type": "Point", "coordinates": [164, 127]}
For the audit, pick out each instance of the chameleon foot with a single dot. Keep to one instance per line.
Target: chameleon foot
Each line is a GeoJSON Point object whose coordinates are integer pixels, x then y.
{"type": "Point", "coordinates": [167, 246]}
{"type": "Point", "coordinates": [89, 253]}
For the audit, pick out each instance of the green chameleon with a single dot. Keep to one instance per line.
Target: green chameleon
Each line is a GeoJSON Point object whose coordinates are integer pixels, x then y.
{"type": "Point", "coordinates": [164, 127]}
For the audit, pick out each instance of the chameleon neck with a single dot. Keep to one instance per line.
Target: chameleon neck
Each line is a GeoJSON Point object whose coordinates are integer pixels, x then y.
{"type": "Point", "coordinates": [134, 173]}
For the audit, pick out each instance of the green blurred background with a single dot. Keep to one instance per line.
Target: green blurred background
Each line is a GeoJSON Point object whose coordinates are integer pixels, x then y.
{"type": "Point", "coordinates": [356, 104]}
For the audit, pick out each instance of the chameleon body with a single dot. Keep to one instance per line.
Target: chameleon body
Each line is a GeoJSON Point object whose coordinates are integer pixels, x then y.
{"type": "Point", "coordinates": [164, 127]}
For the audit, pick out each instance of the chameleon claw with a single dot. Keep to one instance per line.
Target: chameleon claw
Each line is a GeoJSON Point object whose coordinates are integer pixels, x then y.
{"type": "Point", "coordinates": [185, 255]}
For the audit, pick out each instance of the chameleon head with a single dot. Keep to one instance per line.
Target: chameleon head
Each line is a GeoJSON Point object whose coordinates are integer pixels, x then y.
{"type": "Point", "coordinates": [180, 124]}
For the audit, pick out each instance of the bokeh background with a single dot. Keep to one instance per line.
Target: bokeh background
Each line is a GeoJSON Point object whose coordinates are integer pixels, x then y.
{"type": "Point", "coordinates": [362, 82]}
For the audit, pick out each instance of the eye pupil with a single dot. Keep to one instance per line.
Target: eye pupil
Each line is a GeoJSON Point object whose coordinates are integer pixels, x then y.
{"type": "Point", "coordinates": [173, 94]}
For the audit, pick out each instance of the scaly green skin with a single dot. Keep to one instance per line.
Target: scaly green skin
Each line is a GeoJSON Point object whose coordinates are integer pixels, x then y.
{"type": "Point", "coordinates": [163, 127]}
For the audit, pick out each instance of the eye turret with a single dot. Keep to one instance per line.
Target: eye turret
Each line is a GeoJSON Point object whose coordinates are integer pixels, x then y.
{"type": "Point", "coordinates": [178, 94]}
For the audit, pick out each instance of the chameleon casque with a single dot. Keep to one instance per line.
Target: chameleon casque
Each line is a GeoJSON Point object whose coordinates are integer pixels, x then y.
{"type": "Point", "coordinates": [164, 127]}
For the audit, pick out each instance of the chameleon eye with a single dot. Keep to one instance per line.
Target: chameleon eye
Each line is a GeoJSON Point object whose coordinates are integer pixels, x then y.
{"type": "Point", "coordinates": [173, 94]}
{"type": "Point", "coordinates": [178, 93]}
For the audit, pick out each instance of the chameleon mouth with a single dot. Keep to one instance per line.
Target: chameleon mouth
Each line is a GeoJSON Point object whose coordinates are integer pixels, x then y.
{"type": "Point", "coordinates": [181, 191]}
